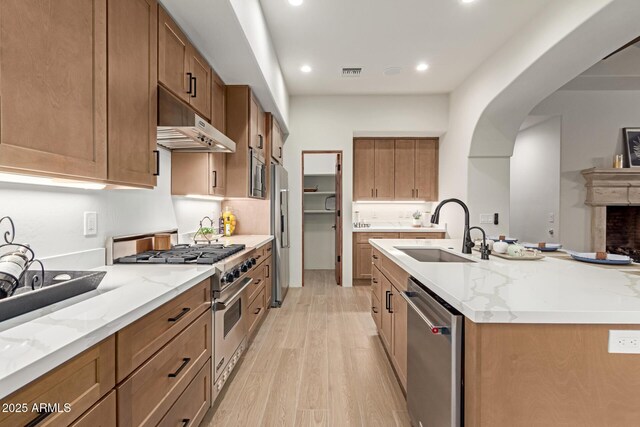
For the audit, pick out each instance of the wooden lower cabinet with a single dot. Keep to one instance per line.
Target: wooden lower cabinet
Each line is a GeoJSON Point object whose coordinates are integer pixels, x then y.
{"type": "Point", "coordinates": [256, 312]}
{"type": "Point", "coordinates": [268, 281]}
{"type": "Point", "coordinates": [102, 414]}
{"type": "Point", "coordinates": [80, 382]}
{"type": "Point", "coordinates": [146, 396]}
{"type": "Point", "coordinates": [386, 322]}
{"type": "Point", "coordinates": [376, 310]}
{"type": "Point", "coordinates": [362, 250]}
{"type": "Point", "coordinates": [193, 404]}
{"type": "Point", "coordinates": [399, 308]}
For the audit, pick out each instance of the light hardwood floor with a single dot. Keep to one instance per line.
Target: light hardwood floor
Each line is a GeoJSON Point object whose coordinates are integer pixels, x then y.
{"type": "Point", "coordinates": [315, 361]}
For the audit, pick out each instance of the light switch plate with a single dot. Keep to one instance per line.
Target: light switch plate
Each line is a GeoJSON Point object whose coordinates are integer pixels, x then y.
{"type": "Point", "coordinates": [552, 217]}
{"type": "Point", "coordinates": [486, 218]}
{"type": "Point", "coordinates": [90, 223]}
{"type": "Point", "coordinates": [627, 342]}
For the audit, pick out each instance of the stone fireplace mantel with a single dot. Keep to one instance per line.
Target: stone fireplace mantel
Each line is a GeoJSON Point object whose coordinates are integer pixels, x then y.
{"type": "Point", "coordinates": [609, 187]}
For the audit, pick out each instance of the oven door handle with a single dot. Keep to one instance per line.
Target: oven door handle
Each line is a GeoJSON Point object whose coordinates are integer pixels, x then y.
{"type": "Point", "coordinates": [222, 305]}
{"type": "Point", "coordinates": [435, 329]}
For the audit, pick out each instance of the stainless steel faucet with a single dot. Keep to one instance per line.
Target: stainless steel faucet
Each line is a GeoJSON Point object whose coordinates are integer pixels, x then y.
{"type": "Point", "coordinates": [467, 243]}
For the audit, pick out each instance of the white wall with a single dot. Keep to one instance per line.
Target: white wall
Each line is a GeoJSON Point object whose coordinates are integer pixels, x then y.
{"type": "Point", "coordinates": [535, 182]}
{"type": "Point", "coordinates": [50, 219]}
{"type": "Point", "coordinates": [320, 164]}
{"type": "Point", "coordinates": [592, 123]}
{"type": "Point", "coordinates": [329, 123]}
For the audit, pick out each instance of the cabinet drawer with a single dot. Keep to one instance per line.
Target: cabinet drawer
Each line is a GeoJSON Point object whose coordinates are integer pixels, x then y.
{"type": "Point", "coordinates": [140, 340]}
{"type": "Point", "coordinates": [376, 287]}
{"type": "Point", "coordinates": [394, 273]}
{"type": "Point", "coordinates": [80, 382]}
{"type": "Point", "coordinates": [258, 275]}
{"type": "Point", "coordinates": [102, 414]}
{"type": "Point", "coordinates": [255, 312]}
{"type": "Point", "coordinates": [146, 396]}
{"type": "Point", "coordinates": [193, 404]}
{"type": "Point", "coordinates": [364, 237]}
{"type": "Point", "coordinates": [263, 252]}
{"type": "Point", "coordinates": [376, 309]}
{"type": "Point", "coordinates": [376, 257]}
{"type": "Point", "coordinates": [422, 235]}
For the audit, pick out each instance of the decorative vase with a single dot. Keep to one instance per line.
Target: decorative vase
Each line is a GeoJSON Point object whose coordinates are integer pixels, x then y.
{"type": "Point", "coordinates": [417, 222]}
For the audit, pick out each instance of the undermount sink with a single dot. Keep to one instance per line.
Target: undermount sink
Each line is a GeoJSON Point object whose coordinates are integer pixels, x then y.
{"type": "Point", "coordinates": [433, 255]}
{"type": "Point", "coordinates": [58, 286]}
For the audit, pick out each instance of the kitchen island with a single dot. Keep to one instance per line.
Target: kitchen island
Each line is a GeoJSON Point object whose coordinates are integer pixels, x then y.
{"type": "Point", "coordinates": [536, 334]}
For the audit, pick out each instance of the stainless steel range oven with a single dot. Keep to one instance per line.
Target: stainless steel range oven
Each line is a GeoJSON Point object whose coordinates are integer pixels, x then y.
{"type": "Point", "coordinates": [229, 318]}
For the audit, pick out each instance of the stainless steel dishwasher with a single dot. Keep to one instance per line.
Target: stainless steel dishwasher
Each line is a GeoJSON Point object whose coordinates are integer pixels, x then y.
{"type": "Point", "coordinates": [434, 359]}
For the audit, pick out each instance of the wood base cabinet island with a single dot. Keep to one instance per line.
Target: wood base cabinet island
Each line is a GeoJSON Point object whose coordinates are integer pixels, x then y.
{"type": "Point", "coordinates": [518, 374]}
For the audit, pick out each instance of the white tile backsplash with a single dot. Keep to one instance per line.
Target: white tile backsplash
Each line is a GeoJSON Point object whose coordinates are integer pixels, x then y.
{"type": "Point", "coordinates": [390, 213]}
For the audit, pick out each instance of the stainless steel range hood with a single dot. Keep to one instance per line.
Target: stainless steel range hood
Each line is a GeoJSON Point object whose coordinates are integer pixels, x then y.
{"type": "Point", "coordinates": [181, 129]}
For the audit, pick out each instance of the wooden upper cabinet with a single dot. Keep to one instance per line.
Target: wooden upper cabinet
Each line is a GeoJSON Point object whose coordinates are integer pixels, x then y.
{"type": "Point", "coordinates": [426, 181]}
{"type": "Point", "coordinates": [201, 174]}
{"type": "Point", "coordinates": [181, 68]}
{"type": "Point", "coordinates": [53, 87]}
{"type": "Point", "coordinates": [384, 169]}
{"type": "Point", "coordinates": [218, 102]}
{"type": "Point", "coordinates": [405, 166]}
{"type": "Point", "coordinates": [363, 169]}
{"type": "Point", "coordinates": [276, 139]}
{"type": "Point", "coordinates": [257, 126]}
{"type": "Point", "coordinates": [200, 96]}
{"type": "Point", "coordinates": [173, 56]}
{"type": "Point", "coordinates": [132, 91]}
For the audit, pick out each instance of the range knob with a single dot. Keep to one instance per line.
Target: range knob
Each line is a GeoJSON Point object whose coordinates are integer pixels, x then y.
{"type": "Point", "coordinates": [253, 261]}
{"type": "Point", "coordinates": [236, 273]}
{"type": "Point", "coordinates": [228, 278]}
{"type": "Point", "coordinates": [243, 267]}
{"type": "Point", "coordinates": [248, 263]}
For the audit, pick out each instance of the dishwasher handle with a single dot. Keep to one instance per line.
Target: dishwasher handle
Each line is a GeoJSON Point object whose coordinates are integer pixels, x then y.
{"type": "Point", "coordinates": [433, 326]}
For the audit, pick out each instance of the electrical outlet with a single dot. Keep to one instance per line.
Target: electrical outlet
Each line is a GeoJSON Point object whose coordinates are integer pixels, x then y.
{"type": "Point", "coordinates": [90, 223]}
{"type": "Point", "coordinates": [624, 342]}
{"type": "Point", "coordinates": [486, 219]}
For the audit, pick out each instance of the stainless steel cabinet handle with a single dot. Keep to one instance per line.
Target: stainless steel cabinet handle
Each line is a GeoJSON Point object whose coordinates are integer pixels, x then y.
{"type": "Point", "coordinates": [435, 329]}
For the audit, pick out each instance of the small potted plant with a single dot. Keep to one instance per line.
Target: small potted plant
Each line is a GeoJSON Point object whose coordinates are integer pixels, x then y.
{"type": "Point", "coordinates": [417, 219]}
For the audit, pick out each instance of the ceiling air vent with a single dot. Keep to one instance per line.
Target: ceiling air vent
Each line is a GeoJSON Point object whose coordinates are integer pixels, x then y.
{"type": "Point", "coordinates": [351, 71]}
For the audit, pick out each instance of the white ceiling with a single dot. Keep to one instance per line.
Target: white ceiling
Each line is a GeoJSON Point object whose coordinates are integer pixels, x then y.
{"type": "Point", "coordinates": [453, 38]}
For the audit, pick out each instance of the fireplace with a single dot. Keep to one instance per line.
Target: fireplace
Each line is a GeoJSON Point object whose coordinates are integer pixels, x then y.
{"type": "Point", "coordinates": [614, 197]}
{"type": "Point", "coordinates": [623, 231]}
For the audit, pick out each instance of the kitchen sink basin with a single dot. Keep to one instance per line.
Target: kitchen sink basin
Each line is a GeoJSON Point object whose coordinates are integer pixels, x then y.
{"type": "Point", "coordinates": [433, 255]}
{"type": "Point", "coordinates": [57, 286]}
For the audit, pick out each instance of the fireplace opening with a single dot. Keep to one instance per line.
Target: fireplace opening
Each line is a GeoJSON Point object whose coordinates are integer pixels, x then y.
{"type": "Point", "coordinates": [623, 231]}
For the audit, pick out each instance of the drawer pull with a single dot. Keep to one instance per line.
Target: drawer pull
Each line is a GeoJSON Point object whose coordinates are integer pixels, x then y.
{"type": "Point", "coordinates": [185, 422]}
{"type": "Point", "coordinates": [185, 362]}
{"type": "Point", "coordinates": [40, 418]}
{"type": "Point", "coordinates": [182, 313]}
{"type": "Point", "coordinates": [258, 257]}
{"type": "Point", "coordinates": [374, 256]}
{"type": "Point", "coordinates": [258, 310]}
{"type": "Point", "coordinates": [269, 249]}
{"type": "Point", "coordinates": [374, 310]}
{"type": "Point", "coordinates": [257, 282]}
{"type": "Point", "coordinates": [374, 280]}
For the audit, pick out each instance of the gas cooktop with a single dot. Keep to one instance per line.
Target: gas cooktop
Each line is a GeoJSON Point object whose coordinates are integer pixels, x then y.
{"type": "Point", "coordinates": [184, 254]}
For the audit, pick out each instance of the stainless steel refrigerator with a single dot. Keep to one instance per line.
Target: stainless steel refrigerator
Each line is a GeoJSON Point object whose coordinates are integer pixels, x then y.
{"type": "Point", "coordinates": [280, 231]}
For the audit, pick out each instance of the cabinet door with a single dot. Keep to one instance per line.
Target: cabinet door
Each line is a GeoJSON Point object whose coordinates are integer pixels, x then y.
{"type": "Point", "coordinates": [218, 103]}
{"type": "Point", "coordinates": [262, 130]}
{"type": "Point", "coordinates": [254, 141]}
{"type": "Point", "coordinates": [427, 169]}
{"type": "Point", "coordinates": [53, 86]}
{"type": "Point", "coordinates": [363, 261]}
{"type": "Point", "coordinates": [268, 280]}
{"type": "Point", "coordinates": [102, 414]}
{"type": "Point", "coordinates": [190, 173]}
{"type": "Point", "coordinates": [386, 321]}
{"type": "Point", "coordinates": [217, 175]}
{"type": "Point", "coordinates": [173, 57]}
{"type": "Point", "coordinates": [376, 310]}
{"type": "Point", "coordinates": [200, 96]}
{"type": "Point", "coordinates": [363, 169]}
{"type": "Point", "coordinates": [404, 169]}
{"type": "Point", "coordinates": [399, 308]}
{"type": "Point", "coordinates": [384, 169]}
{"type": "Point", "coordinates": [133, 85]}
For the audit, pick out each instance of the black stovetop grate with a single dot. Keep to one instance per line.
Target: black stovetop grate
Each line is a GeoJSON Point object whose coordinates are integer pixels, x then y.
{"type": "Point", "coordinates": [184, 254]}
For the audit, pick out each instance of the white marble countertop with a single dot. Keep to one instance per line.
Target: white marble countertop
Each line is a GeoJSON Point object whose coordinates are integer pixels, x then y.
{"type": "Point", "coordinates": [505, 291]}
{"type": "Point", "coordinates": [55, 334]}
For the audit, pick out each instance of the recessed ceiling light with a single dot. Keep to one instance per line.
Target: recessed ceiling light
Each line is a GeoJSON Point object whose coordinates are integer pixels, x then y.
{"type": "Point", "coordinates": [305, 68]}
{"type": "Point", "coordinates": [299, 2]}
{"type": "Point", "coordinates": [422, 66]}
{"type": "Point", "coordinates": [461, 1]}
